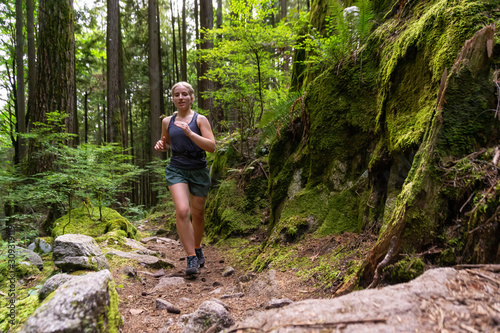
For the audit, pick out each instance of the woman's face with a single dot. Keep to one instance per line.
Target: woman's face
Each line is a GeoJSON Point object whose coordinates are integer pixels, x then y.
{"type": "Point", "coordinates": [182, 99]}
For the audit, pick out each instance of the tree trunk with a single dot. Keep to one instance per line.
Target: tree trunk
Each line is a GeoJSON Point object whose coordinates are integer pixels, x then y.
{"type": "Point", "coordinates": [219, 112]}
{"type": "Point", "coordinates": [72, 119]}
{"type": "Point", "coordinates": [174, 46]}
{"type": "Point", "coordinates": [121, 90]}
{"type": "Point", "coordinates": [113, 72]}
{"type": "Point", "coordinates": [20, 105]}
{"type": "Point", "coordinates": [154, 80]}
{"type": "Point", "coordinates": [206, 22]}
{"type": "Point", "coordinates": [86, 112]}
{"type": "Point", "coordinates": [55, 41]}
{"type": "Point", "coordinates": [162, 89]}
{"type": "Point", "coordinates": [30, 22]}
{"type": "Point", "coordinates": [184, 43]}
{"type": "Point", "coordinates": [197, 34]}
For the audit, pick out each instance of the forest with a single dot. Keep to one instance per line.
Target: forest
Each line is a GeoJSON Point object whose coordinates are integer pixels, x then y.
{"type": "Point", "coordinates": [357, 140]}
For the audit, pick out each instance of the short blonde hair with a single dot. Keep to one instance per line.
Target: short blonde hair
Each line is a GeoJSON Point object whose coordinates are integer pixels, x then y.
{"type": "Point", "coordinates": [185, 84]}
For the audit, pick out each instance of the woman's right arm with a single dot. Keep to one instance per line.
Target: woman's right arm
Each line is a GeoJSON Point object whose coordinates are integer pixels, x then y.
{"type": "Point", "coordinates": [164, 143]}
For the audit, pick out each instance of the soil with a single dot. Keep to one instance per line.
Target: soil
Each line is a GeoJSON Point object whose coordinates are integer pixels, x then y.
{"type": "Point", "coordinates": [138, 299]}
{"type": "Point", "coordinates": [137, 296]}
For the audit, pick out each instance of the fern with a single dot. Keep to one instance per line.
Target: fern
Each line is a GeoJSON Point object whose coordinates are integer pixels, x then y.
{"type": "Point", "coordinates": [365, 18]}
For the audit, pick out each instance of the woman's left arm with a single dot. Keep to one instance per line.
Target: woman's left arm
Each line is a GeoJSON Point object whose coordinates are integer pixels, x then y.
{"type": "Point", "coordinates": [206, 140]}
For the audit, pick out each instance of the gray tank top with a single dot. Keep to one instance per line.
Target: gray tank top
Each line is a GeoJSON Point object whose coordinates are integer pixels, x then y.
{"type": "Point", "coordinates": [186, 154]}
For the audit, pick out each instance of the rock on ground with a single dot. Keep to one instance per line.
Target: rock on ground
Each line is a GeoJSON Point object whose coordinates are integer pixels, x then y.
{"type": "Point", "coordinates": [265, 285]}
{"type": "Point", "coordinates": [149, 261]}
{"type": "Point", "coordinates": [88, 303]}
{"type": "Point", "coordinates": [40, 245]}
{"type": "Point", "coordinates": [211, 315]}
{"type": "Point", "coordinates": [53, 283]}
{"type": "Point", "coordinates": [32, 257]}
{"type": "Point", "coordinates": [441, 299]}
{"type": "Point", "coordinates": [73, 252]}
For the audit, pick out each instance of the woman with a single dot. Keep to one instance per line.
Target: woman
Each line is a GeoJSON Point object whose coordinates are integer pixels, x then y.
{"type": "Point", "coordinates": [188, 134]}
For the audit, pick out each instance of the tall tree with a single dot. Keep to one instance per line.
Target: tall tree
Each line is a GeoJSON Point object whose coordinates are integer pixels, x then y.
{"type": "Point", "coordinates": [72, 119]}
{"type": "Point", "coordinates": [30, 23]}
{"type": "Point", "coordinates": [205, 85]}
{"type": "Point", "coordinates": [175, 66]}
{"type": "Point", "coordinates": [20, 101]}
{"type": "Point", "coordinates": [113, 72]}
{"type": "Point", "coordinates": [55, 43]}
{"type": "Point", "coordinates": [197, 36]}
{"type": "Point", "coordinates": [154, 78]}
{"type": "Point", "coordinates": [184, 43]}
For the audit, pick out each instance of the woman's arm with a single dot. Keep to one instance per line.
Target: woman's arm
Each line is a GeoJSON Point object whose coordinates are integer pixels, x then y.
{"type": "Point", "coordinates": [164, 143]}
{"type": "Point", "coordinates": [206, 140]}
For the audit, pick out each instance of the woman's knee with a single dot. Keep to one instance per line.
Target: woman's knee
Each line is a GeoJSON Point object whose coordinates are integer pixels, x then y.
{"type": "Point", "coordinates": [183, 212]}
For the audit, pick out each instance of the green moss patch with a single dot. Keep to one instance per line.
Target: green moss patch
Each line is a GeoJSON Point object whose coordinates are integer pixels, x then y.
{"type": "Point", "coordinates": [89, 223]}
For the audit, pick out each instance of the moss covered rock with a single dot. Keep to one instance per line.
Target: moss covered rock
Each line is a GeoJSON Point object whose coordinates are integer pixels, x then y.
{"type": "Point", "coordinates": [88, 303]}
{"type": "Point", "coordinates": [379, 125]}
{"type": "Point", "coordinates": [87, 222]}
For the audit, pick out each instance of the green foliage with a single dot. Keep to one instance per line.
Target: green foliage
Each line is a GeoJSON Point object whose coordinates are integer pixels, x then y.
{"type": "Point", "coordinates": [345, 32]}
{"type": "Point", "coordinates": [90, 174]}
{"type": "Point", "coordinates": [245, 63]}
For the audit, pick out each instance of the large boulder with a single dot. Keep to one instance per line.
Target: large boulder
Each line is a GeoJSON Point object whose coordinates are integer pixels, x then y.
{"type": "Point", "coordinates": [211, 315]}
{"type": "Point", "coordinates": [74, 252]}
{"type": "Point", "coordinates": [88, 303]}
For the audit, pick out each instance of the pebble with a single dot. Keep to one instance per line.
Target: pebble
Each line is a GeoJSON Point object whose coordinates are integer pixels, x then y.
{"type": "Point", "coordinates": [161, 304]}
{"type": "Point", "coordinates": [278, 303]}
{"type": "Point", "coordinates": [235, 295]}
{"type": "Point", "coordinates": [228, 271]}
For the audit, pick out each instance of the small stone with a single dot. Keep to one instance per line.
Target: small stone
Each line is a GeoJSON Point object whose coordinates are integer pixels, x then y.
{"type": "Point", "coordinates": [235, 295]}
{"type": "Point", "coordinates": [129, 271]}
{"type": "Point", "coordinates": [136, 312]}
{"type": "Point", "coordinates": [278, 303]}
{"type": "Point", "coordinates": [159, 273]}
{"type": "Point", "coordinates": [220, 302]}
{"type": "Point", "coordinates": [247, 277]}
{"type": "Point", "coordinates": [161, 304]}
{"type": "Point", "coordinates": [217, 284]}
{"type": "Point", "coordinates": [228, 271]}
{"type": "Point", "coordinates": [216, 291]}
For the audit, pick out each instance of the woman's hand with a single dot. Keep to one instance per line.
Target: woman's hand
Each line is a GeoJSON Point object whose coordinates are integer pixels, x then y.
{"type": "Point", "coordinates": [183, 126]}
{"type": "Point", "coordinates": [162, 145]}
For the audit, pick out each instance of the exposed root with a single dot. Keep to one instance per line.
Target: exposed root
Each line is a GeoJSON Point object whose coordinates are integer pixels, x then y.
{"type": "Point", "coordinates": [383, 263]}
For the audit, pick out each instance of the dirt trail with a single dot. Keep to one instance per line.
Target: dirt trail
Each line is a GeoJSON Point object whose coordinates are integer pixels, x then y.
{"type": "Point", "coordinates": [138, 296]}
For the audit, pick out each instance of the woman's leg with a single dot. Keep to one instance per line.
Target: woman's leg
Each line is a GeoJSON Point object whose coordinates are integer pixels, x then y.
{"type": "Point", "coordinates": [198, 216]}
{"type": "Point", "coordinates": [180, 196]}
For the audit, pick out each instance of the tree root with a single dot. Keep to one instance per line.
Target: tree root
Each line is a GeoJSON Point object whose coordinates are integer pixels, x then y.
{"type": "Point", "coordinates": [383, 263]}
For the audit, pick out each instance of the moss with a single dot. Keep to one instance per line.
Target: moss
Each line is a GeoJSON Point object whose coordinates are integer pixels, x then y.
{"type": "Point", "coordinates": [228, 212]}
{"type": "Point", "coordinates": [82, 223]}
{"type": "Point", "coordinates": [405, 270]}
{"type": "Point", "coordinates": [25, 305]}
{"type": "Point", "coordinates": [345, 213]}
{"type": "Point", "coordinates": [414, 63]}
{"type": "Point", "coordinates": [111, 320]}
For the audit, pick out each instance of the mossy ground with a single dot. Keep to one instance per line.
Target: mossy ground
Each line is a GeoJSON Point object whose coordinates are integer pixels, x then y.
{"type": "Point", "coordinates": [87, 222]}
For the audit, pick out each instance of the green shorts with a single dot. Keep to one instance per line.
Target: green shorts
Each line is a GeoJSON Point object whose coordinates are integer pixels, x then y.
{"type": "Point", "coordinates": [198, 180]}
